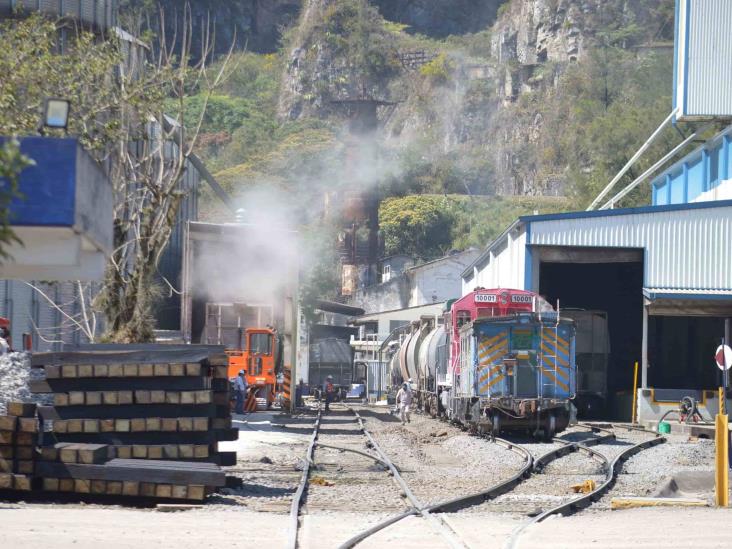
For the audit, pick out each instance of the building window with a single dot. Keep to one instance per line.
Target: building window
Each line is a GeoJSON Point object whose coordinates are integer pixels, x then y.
{"type": "Point", "coordinates": [386, 273]}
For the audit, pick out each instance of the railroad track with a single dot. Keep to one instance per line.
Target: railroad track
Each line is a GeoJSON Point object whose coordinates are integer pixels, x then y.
{"type": "Point", "coordinates": [611, 468]}
{"type": "Point", "coordinates": [532, 466]}
{"type": "Point", "coordinates": [379, 457]}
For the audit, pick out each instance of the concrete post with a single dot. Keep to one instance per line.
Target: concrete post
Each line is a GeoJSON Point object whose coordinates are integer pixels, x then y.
{"type": "Point", "coordinates": [644, 349]}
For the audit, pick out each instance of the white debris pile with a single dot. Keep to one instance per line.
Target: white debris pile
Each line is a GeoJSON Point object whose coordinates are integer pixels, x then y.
{"type": "Point", "coordinates": [15, 375]}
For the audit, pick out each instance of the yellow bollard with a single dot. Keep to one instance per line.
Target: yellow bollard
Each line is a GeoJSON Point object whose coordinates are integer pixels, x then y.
{"type": "Point", "coordinates": [721, 436]}
{"type": "Point", "coordinates": [634, 411]}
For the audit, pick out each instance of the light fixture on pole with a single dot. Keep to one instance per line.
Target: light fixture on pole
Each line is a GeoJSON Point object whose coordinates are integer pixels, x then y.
{"type": "Point", "coordinates": [55, 114]}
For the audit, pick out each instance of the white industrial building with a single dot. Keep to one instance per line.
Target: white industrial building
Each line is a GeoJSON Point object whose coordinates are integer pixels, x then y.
{"type": "Point", "coordinates": [662, 273]}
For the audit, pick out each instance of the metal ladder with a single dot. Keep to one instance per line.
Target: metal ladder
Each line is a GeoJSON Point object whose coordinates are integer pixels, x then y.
{"type": "Point", "coordinates": [542, 364]}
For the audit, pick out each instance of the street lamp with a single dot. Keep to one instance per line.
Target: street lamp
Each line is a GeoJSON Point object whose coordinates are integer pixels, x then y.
{"type": "Point", "coordinates": [56, 114]}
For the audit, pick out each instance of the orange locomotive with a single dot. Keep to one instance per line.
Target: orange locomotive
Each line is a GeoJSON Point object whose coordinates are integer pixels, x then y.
{"type": "Point", "coordinates": [259, 357]}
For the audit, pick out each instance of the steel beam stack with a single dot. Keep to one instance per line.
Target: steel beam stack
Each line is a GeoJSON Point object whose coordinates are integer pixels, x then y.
{"type": "Point", "coordinates": [127, 422]}
{"type": "Point", "coordinates": [18, 438]}
{"type": "Point", "coordinates": [152, 404]}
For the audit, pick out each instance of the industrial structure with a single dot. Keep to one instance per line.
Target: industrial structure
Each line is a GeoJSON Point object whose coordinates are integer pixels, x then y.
{"type": "Point", "coordinates": [663, 274]}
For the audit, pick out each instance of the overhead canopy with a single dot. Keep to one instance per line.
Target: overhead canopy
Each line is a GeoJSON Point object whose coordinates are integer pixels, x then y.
{"type": "Point", "coordinates": [680, 302]}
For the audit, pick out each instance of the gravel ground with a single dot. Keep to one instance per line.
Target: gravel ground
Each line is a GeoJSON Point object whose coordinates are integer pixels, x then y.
{"type": "Point", "coordinates": [345, 481]}
{"type": "Point", "coordinates": [15, 374]}
{"type": "Point", "coordinates": [439, 461]}
{"type": "Point", "coordinates": [643, 473]}
{"type": "Point", "coordinates": [270, 460]}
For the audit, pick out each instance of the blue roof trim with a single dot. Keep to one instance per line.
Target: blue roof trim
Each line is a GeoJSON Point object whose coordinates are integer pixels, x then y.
{"type": "Point", "coordinates": [627, 211]}
{"type": "Point", "coordinates": [691, 295]}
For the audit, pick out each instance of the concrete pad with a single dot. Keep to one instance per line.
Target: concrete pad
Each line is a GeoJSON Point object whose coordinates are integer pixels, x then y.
{"type": "Point", "coordinates": [65, 527]}
{"type": "Point", "coordinates": [482, 530]}
{"type": "Point", "coordinates": [257, 433]}
{"type": "Point", "coordinates": [687, 484]}
{"type": "Point", "coordinates": [633, 529]}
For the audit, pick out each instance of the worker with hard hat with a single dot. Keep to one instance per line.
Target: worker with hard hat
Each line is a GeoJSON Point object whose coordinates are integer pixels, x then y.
{"type": "Point", "coordinates": [240, 390]}
{"type": "Point", "coordinates": [404, 401]}
{"type": "Point", "coordinates": [329, 390]}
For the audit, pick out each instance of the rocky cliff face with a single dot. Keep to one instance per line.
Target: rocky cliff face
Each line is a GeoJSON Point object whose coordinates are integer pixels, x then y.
{"type": "Point", "coordinates": [483, 105]}
{"type": "Point", "coordinates": [333, 60]}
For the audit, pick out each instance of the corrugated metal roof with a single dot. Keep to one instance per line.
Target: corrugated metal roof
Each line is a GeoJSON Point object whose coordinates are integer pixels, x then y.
{"type": "Point", "coordinates": [686, 293]}
{"type": "Point", "coordinates": [684, 248]}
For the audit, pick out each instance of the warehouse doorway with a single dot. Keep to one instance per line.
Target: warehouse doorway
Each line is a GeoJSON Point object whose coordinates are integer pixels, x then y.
{"type": "Point", "coordinates": [591, 280]}
{"type": "Point", "coordinates": [681, 352]}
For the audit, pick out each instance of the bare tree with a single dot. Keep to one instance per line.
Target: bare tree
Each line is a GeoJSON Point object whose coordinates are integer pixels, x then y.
{"type": "Point", "coordinates": [148, 165]}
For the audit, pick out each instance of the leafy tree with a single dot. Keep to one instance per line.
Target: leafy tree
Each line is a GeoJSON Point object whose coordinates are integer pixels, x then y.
{"type": "Point", "coordinates": [418, 226]}
{"type": "Point", "coordinates": [119, 115]}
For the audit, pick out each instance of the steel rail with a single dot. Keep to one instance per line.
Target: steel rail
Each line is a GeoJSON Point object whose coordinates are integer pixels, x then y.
{"type": "Point", "coordinates": [582, 502]}
{"type": "Point", "coordinates": [462, 502]}
{"type": "Point", "coordinates": [297, 498]}
{"type": "Point", "coordinates": [353, 450]}
{"type": "Point", "coordinates": [418, 508]}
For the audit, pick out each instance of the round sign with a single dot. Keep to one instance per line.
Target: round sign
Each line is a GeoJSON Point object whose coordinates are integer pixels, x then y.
{"type": "Point", "coordinates": [723, 356]}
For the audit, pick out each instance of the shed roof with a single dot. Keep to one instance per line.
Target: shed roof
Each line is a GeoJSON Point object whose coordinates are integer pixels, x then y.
{"type": "Point", "coordinates": [687, 246]}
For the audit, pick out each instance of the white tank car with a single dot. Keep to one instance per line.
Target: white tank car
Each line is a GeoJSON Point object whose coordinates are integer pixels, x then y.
{"type": "Point", "coordinates": [436, 355]}
{"type": "Point", "coordinates": [423, 361]}
{"type": "Point", "coordinates": [403, 357]}
{"type": "Point", "coordinates": [413, 354]}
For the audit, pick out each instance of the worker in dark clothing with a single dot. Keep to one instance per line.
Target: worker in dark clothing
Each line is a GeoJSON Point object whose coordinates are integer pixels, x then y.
{"type": "Point", "coordinates": [329, 391]}
{"type": "Point", "coordinates": [240, 386]}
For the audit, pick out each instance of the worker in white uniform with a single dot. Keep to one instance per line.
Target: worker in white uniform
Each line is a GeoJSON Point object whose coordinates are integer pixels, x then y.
{"type": "Point", "coordinates": [240, 386]}
{"type": "Point", "coordinates": [404, 401]}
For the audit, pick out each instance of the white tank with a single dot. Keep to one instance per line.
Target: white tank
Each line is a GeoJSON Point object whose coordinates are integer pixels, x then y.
{"type": "Point", "coordinates": [423, 363]}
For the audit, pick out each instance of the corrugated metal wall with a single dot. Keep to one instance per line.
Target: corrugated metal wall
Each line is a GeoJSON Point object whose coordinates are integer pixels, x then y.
{"type": "Point", "coordinates": [708, 67]}
{"type": "Point", "coordinates": [171, 262]}
{"type": "Point", "coordinates": [689, 249]}
{"type": "Point", "coordinates": [30, 312]}
{"type": "Point", "coordinates": [504, 268]}
{"type": "Point", "coordinates": [699, 171]}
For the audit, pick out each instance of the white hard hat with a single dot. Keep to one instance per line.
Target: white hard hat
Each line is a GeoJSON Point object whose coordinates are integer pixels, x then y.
{"type": "Point", "coordinates": [241, 372]}
{"type": "Point", "coordinates": [410, 380]}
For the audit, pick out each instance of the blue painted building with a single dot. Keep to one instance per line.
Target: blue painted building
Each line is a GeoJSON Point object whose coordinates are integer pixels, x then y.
{"type": "Point", "coordinates": [698, 175]}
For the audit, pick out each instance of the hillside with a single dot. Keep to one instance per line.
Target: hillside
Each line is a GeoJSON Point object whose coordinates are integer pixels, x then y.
{"type": "Point", "coordinates": [474, 97]}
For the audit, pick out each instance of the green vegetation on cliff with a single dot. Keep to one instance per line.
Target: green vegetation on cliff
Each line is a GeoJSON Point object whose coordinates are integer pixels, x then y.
{"type": "Point", "coordinates": [472, 122]}
{"type": "Point", "coordinates": [429, 226]}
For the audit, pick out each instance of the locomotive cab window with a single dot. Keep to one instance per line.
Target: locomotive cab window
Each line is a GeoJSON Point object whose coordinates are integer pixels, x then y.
{"type": "Point", "coordinates": [463, 317]}
{"type": "Point", "coordinates": [260, 344]}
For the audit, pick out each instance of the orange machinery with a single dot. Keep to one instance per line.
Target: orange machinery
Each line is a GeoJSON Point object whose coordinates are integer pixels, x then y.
{"type": "Point", "coordinates": [258, 355]}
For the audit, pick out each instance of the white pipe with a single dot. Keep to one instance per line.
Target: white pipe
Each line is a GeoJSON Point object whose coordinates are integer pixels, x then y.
{"type": "Point", "coordinates": [611, 203]}
{"type": "Point", "coordinates": [633, 160]}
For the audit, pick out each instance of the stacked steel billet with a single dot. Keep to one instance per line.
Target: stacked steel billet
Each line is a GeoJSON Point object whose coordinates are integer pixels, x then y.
{"type": "Point", "coordinates": [149, 404]}
{"type": "Point", "coordinates": [88, 469]}
{"type": "Point", "coordinates": [18, 438]}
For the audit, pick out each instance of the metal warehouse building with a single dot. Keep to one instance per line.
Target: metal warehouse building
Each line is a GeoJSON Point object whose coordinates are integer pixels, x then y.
{"type": "Point", "coordinates": [662, 273]}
